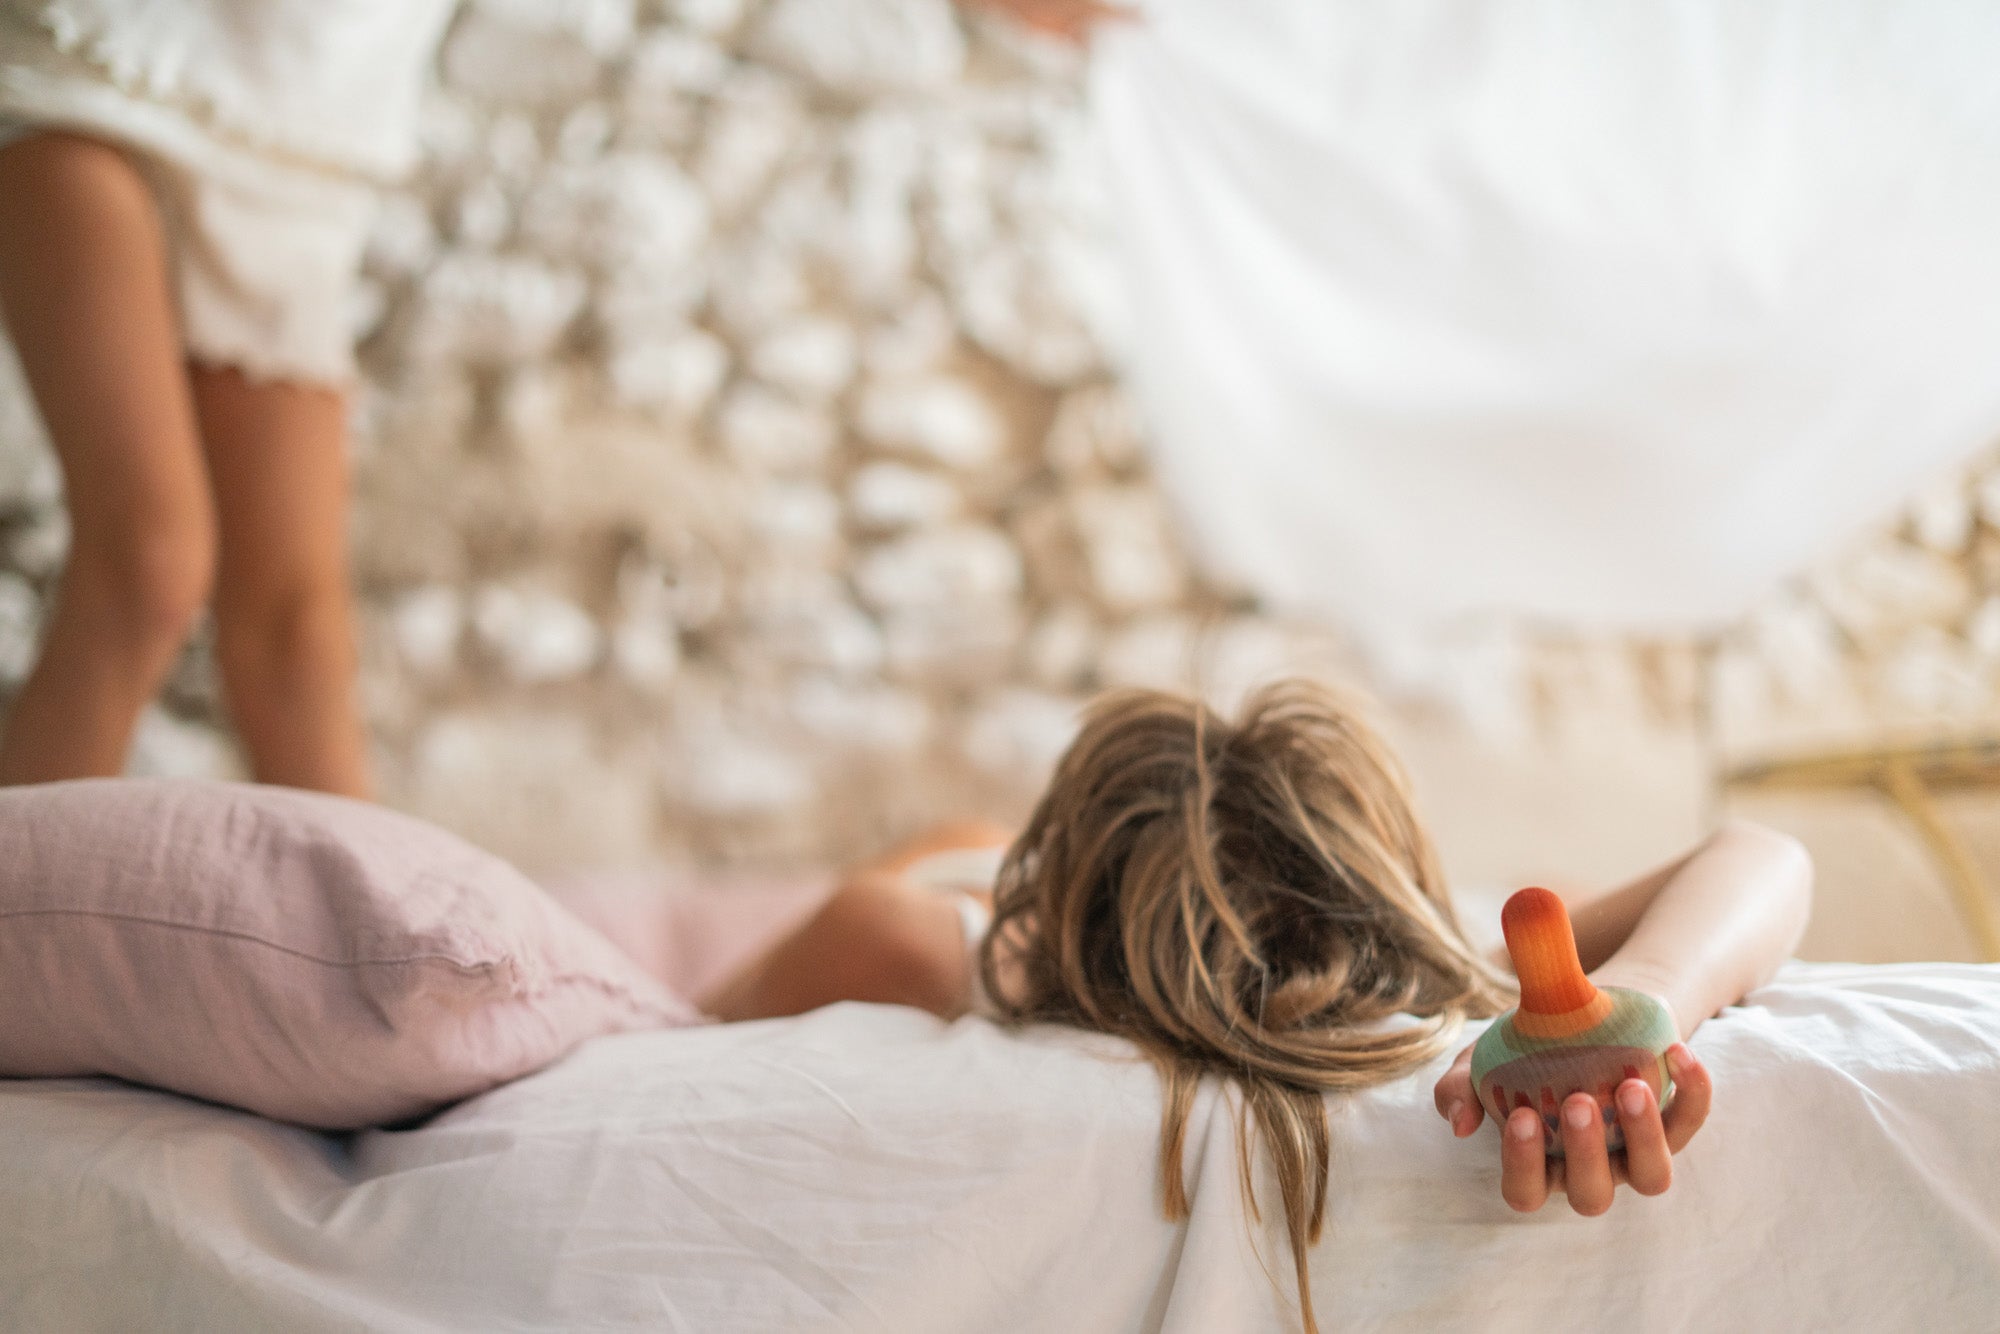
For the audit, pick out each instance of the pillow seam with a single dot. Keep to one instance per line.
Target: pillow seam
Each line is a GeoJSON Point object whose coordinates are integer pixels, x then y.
{"type": "Point", "coordinates": [555, 981]}
{"type": "Point", "coordinates": [505, 960]}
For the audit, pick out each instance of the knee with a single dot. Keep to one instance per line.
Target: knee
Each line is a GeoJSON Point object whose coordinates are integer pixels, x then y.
{"type": "Point", "coordinates": [283, 624]}
{"type": "Point", "coordinates": [143, 586]}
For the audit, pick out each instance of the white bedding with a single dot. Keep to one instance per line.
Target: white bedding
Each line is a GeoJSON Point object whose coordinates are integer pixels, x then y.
{"type": "Point", "coordinates": [867, 1168]}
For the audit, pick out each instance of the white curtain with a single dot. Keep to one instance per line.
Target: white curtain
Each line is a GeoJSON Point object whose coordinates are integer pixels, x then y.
{"type": "Point", "coordinates": [1612, 313]}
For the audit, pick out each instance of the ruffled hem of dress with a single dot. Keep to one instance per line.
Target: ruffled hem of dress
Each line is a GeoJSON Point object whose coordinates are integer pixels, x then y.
{"type": "Point", "coordinates": [260, 366]}
{"type": "Point", "coordinates": [132, 68]}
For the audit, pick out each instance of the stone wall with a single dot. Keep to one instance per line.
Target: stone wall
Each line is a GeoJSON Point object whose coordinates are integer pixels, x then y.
{"type": "Point", "coordinates": [740, 481]}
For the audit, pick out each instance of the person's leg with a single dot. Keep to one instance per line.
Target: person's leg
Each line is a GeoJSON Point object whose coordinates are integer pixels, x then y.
{"type": "Point", "coordinates": [947, 836]}
{"type": "Point", "coordinates": [876, 938]}
{"type": "Point", "coordinates": [84, 288]}
{"type": "Point", "coordinates": [284, 631]}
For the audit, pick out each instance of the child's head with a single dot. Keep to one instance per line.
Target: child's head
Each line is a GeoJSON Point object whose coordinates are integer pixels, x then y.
{"type": "Point", "coordinates": [1251, 899]}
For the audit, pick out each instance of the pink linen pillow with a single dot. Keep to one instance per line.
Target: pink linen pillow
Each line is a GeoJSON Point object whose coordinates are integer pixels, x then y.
{"type": "Point", "coordinates": [315, 959]}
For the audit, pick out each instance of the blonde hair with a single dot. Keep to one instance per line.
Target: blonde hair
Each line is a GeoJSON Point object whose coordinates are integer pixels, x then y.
{"type": "Point", "coordinates": [1246, 900]}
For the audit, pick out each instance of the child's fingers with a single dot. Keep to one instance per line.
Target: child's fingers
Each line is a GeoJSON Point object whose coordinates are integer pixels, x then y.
{"type": "Point", "coordinates": [1454, 1097]}
{"type": "Point", "coordinates": [1524, 1169]}
{"type": "Point", "coordinates": [1587, 1178]}
{"type": "Point", "coordinates": [1694, 1091]}
{"type": "Point", "coordinates": [1649, 1163]}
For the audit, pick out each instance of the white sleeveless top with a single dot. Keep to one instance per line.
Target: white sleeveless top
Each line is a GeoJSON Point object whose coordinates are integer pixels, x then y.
{"type": "Point", "coordinates": [330, 82]}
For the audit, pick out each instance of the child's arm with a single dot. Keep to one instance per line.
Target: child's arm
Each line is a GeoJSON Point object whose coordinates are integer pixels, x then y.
{"type": "Point", "coordinates": [1703, 931]}
{"type": "Point", "coordinates": [1699, 933]}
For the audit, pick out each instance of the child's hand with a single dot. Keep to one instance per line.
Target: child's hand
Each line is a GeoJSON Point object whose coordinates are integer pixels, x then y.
{"type": "Point", "coordinates": [1587, 1172]}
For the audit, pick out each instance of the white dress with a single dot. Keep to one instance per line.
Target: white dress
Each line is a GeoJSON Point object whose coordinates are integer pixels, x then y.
{"type": "Point", "coordinates": [262, 125]}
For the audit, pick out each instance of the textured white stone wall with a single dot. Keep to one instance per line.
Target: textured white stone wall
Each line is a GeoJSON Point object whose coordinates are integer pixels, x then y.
{"type": "Point", "coordinates": [739, 480]}
{"type": "Point", "coordinates": [705, 508]}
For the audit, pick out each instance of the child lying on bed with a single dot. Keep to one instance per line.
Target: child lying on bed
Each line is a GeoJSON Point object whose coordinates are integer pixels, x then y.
{"type": "Point", "coordinates": [1257, 900]}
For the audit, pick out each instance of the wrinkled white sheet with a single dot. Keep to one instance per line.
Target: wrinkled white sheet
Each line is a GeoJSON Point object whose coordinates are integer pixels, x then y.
{"type": "Point", "coordinates": [1608, 312]}
{"type": "Point", "coordinates": [869, 1169]}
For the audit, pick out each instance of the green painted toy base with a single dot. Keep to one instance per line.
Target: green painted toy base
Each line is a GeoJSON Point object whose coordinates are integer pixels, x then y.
{"type": "Point", "coordinates": [1511, 1070]}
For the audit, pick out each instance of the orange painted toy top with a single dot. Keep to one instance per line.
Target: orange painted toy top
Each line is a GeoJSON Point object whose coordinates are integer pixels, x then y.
{"type": "Point", "coordinates": [1557, 1000]}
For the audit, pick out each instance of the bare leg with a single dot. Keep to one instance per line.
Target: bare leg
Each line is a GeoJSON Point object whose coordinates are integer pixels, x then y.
{"type": "Point", "coordinates": [949, 836]}
{"type": "Point", "coordinates": [284, 631]}
{"type": "Point", "coordinates": [83, 284]}
{"type": "Point", "coordinates": [878, 938]}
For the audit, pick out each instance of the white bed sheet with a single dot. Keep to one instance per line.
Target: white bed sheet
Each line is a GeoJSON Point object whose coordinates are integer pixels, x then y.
{"type": "Point", "coordinates": [869, 1169]}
